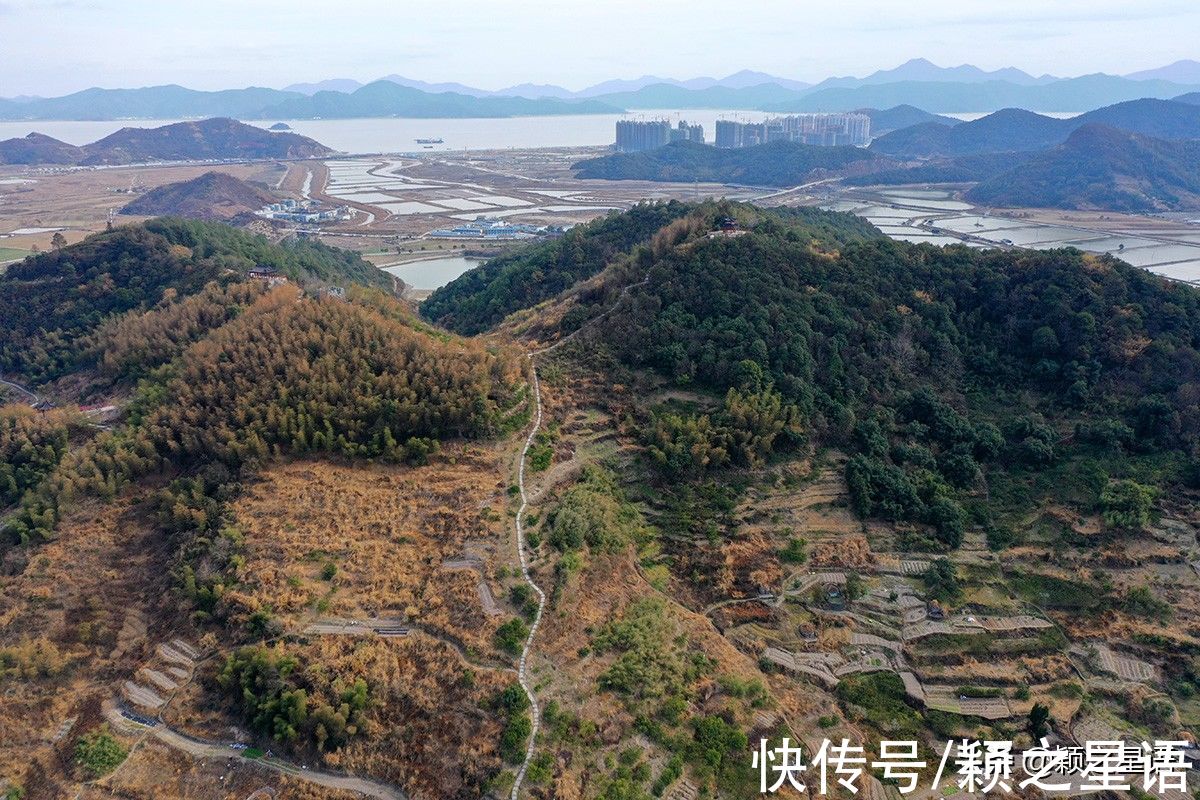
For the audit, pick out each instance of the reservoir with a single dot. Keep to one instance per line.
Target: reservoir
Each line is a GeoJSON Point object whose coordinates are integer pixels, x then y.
{"type": "Point", "coordinates": [432, 273]}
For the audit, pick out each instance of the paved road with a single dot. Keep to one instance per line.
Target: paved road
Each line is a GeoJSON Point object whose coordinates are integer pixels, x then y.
{"type": "Point", "coordinates": [522, 670]}
{"type": "Point", "coordinates": [200, 748]}
{"type": "Point", "coordinates": [522, 673]}
{"type": "Point", "coordinates": [32, 397]}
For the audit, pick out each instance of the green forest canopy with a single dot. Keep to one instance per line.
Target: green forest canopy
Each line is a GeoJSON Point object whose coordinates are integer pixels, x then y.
{"type": "Point", "coordinates": [933, 366]}
{"type": "Point", "coordinates": [49, 301]}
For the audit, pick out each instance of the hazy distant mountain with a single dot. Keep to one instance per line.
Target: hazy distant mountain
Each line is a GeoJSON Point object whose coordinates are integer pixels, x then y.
{"type": "Point", "coordinates": [1186, 71]}
{"type": "Point", "coordinates": [663, 95]}
{"type": "Point", "coordinates": [741, 80]}
{"type": "Point", "coordinates": [1014, 129]}
{"type": "Point", "coordinates": [213, 195]}
{"type": "Point", "coordinates": [1071, 94]}
{"type": "Point", "coordinates": [388, 99]}
{"type": "Point", "coordinates": [1192, 98]}
{"type": "Point", "coordinates": [534, 91]}
{"type": "Point", "coordinates": [918, 83]}
{"type": "Point", "coordinates": [924, 71]}
{"type": "Point", "coordinates": [1102, 168]}
{"type": "Point", "coordinates": [331, 85]}
{"type": "Point", "coordinates": [891, 119]}
{"type": "Point", "coordinates": [434, 88]}
{"type": "Point", "coordinates": [738, 80]}
{"type": "Point", "coordinates": [1162, 119]}
{"type": "Point", "coordinates": [37, 148]}
{"type": "Point", "coordinates": [152, 102]}
{"type": "Point", "coordinates": [1005, 130]}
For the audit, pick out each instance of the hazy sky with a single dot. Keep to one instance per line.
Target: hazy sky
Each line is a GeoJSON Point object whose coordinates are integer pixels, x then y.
{"type": "Point", "coordinates": [50, 47]}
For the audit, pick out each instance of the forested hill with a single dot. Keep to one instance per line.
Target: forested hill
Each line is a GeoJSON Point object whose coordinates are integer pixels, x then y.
{"type": "Point", "coordinates": [933, 366]}
{"type": "Point", "coordinates": [50, 301]}
{"type": "Point", "coordinates": [773, 164]}
{"type": "Point", "coordinates": [1101, 168]}
{"type": "Point", "coordinates": [216, 374]}
{"type": "Point", "coordinates": [482, 297]}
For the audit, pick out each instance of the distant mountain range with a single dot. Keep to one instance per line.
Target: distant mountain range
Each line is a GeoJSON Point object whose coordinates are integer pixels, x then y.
{"type": "Point", "coordinates": [1180, 72]}
{"type": "Point", "coordinates": [379, 99]}
{"type": "Point", "coordinates": [918, 83]}
{"type": "Point", "coordinates": [385, 98]}
{"type": "Point", "coordinates": [210, 139]}
{"type": "Point", "coordinates": [534, 91]}
{"type": "Point", "coordinates": [1100, 167]}
{"type": "Point", "coordinates": [1015, 129]}
{"type": "Point", "coordinates": [1067, 95]}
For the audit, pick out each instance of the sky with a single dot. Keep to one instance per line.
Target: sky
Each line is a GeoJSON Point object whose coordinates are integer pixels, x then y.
{"type": "Point", "coordinates": [52, 47]}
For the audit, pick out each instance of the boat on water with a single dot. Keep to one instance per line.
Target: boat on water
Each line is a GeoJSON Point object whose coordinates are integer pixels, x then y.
{"type": "Point", "coordinates": [438, 140]}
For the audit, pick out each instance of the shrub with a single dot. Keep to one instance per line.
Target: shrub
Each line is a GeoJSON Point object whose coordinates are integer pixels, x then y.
{"type": "Point", "coordinates": [795, 552]}
{"type": "Point", "coordinates": [98, 753]}
{"type": "Point", "coordinates": [941, 581]}
{"type": "Point", "coordinates": [1127, 504]}
{"type": "Point", "coordinates": [510, 637]}
{"type": "Point", "coordinates": [513, 739]}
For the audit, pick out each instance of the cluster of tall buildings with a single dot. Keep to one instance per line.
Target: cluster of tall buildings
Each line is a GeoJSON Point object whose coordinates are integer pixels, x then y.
{"type": "Point", "coordinates": [634, 136]}
{"type": "Point", "coordinates": [825, 130]}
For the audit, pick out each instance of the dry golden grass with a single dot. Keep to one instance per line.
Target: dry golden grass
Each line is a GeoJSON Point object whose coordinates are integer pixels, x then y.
{"type": "Point", "coordinates": [427, 732]}
{"type": "Point", "coordinates": [155, 771]}
{"type": "Point", "coordinates": [79, 605]}
{"type": "Point", "coordinates": [389, 530]}
{"type": "Point", "coordinates": [427, 727]}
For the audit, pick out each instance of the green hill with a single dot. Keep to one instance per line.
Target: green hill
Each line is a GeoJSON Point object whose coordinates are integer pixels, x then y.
{"type": "Point", "coordinates": [958, 169]}
{"type": "Point", "coordinates": [52, 301]}
{"type": "Point", "coordinates": [1015, 129]}
{"type": "Point", "coordinates": [219, 373]}
{"type": "Point", "coordinates": [774, 164]}
{"type": "Point", "coordinates": [1101, 168]}
{"type": "Point", "coordinates": [484, 296]}
{"type": "Point", "coordinates": [935, 367]}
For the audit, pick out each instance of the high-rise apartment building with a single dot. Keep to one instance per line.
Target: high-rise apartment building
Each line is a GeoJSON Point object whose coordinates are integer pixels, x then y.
{"type": "Point", "coordinates": [817, 129]}
{"type": "Point", "coordinates": [634, 136]}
